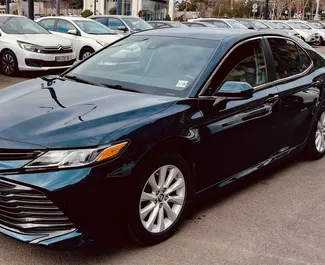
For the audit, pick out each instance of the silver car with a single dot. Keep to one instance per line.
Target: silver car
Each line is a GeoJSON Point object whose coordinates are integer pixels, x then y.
{"type": "Point", "coordinates": [274, 26]}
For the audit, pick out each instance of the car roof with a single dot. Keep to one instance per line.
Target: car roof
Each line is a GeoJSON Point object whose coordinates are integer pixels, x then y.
{"type": "Point", "coordinates": [217, 34]}
{"type": "Point", "coordinates": [9, 15]}
{"type": "Point", "coordinates": [117, 16]}
{"type": "Point", "coordinates": [65, 17]}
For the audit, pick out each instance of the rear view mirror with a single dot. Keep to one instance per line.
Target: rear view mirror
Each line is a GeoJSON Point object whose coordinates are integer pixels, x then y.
{"type": "Point", "coordinates": [73, 32]}
{"type": "Point", "coordinates": [122, 28]}
{"type": "Point", "coordinates": [233, 90]}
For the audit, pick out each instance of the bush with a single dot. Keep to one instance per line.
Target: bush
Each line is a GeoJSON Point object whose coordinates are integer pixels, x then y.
{"type": "Point", "coordinates": [113, 11]}
{"type": "Point", "coordinates": [86, 13]}
{"type": "Point", "coordinates": [168, 18]}
{"type": "Point", "coordinates": [180, 19]}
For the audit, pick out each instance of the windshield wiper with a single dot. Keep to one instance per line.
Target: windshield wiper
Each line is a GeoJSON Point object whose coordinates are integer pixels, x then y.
{"type": "Point", "coordinates": [80, 80]}
{"type": "Point", "coordinates": [119, 87]}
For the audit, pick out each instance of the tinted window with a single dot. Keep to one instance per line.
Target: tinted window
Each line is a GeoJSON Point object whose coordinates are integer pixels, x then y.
{"type": "Point", "coordinates": [282, 25]}
{"type": "Point", "coordinates": [151, 64]}
{"type": "Point", "coordinates": [194, 25]}
{"type": "Point", "coordinates": [299, 25]}
{"type": "Point", "coordinates": [236, 25]}
{"type": "Point", "coordinates": [114, 23]}
{"type": "Point", "coordinates": [93, 27]}
{"type": "Point", "coordinates": [219, 24]}
{"type": "Point", "coordinates": [259, 24]}
{"type": "Point", "coordinates": [245, 23]}
{"type": "Point", "coordinates": [136, 23]}
{"type": "Point", "coordinates": [102, 20]}
{"type": "Point", "coordinates": [245, 64]}
{"type": "Point", "coordinates": [288, 59]}
{"type": "Point", "coordinates": [64, 26]}
{"type": "Point", "coordinates": [48, 24]}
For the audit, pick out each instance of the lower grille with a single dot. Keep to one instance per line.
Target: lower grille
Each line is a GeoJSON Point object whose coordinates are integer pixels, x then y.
{"type": "Point", "coordinates": [29, 211]}
{"type": "Point", "coordinates": [41, 63]}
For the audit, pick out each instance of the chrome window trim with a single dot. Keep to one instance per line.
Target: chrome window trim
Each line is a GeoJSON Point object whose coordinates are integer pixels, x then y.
{"type": "Point", "coordinates": [259, 87]}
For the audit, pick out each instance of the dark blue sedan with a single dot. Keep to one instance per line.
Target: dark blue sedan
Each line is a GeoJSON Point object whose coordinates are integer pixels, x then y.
{"type": "Point", "coordinates": [129, 137]}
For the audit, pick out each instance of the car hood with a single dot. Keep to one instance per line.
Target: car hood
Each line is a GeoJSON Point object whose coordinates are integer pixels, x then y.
{"type": "Point", "coordinates": [45, 40]}
{"type": "Point", "coordinates": [69, 114]}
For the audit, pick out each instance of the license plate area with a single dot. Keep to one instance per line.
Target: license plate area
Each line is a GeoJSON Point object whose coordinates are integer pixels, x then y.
{"type": "Point", "coordinates": [63, 58]}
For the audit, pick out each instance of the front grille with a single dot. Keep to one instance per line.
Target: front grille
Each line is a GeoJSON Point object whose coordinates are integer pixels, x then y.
{"type": "Point", "coordinates": [29, 211]}
{"type": "Point", "coordinates": [57, 50]}
{"type": "Point", "coordinates": [41, 63]}
{"type": "Point", "coordinates": [6, 154]}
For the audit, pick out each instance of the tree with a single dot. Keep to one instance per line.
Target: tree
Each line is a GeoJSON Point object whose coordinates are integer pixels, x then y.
{"type": "Point", "coordinates": [113, 11]}
{"type": "Point", "coordinates": [86, 13]}
{"type": "Point", "coordinates": [180, 19]}
{"type": "Point", "coordinates": [143, 13]}
{"type": "Point", "coordinates": [190, 6]}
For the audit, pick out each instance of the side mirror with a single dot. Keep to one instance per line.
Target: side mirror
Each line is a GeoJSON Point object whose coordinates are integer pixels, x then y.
{"type": "Point", "coordinates": [73, 32]}
{"type": "Point", "coordinates": [233, 90]}
{"type": "Point", "coordinates": [122, 28]}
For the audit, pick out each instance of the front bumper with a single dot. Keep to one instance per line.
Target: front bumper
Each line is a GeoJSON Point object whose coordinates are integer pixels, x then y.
{"type": "Point", "coordinates": [32, 61]}
{"type": "Point", "coordinates": [83, 204]}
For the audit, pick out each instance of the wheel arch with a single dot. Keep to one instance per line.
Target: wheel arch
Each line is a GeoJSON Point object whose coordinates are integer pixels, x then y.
{"type": "Point", "coordinates": [87, 46]}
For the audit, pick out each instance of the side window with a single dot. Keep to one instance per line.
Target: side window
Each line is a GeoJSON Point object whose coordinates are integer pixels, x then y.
{"type": "Point", "coordinates": [245, 64]}
{"type": "Point", "coordinates": [305, 60]}
{"type": "Point", "coordinates": [114, 23]}
{"type": "Point", "coordinates": [194, 25]}
{"type": "Point", "coordinates": [102, 20]}
{"type": "Point", "coordinates": [288, 59]}
{"type": "Point", "coordinates": [64, 26]}
{"type": "Point", "coordinates": [220, 24]}
{"type": "Point", "coordinates": [48, 24]}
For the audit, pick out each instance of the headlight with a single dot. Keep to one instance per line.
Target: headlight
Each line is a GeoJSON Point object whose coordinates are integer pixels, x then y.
{"type": "Point", "coordinates": [101, 43]}
{"type": "Point", "coordinates": [76, 158]}
{"type": "Point", "coordinates": [29, 47]}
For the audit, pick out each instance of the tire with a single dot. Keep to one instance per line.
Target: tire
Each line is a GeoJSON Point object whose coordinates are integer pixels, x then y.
{"type": "Point", "coordinates": [9, 63]}
{"type": "Point", "coordinates": [85, 53]}
{"type": "Point", "coordinates": [167, 210]}
{"type": "Point", "coordinates": [317, 43]}
{"type": "Point", "coordinates": [315, 149]}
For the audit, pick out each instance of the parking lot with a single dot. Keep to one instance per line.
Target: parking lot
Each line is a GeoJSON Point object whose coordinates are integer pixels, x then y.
{"type": "Point", "coordinates": [276, 217]}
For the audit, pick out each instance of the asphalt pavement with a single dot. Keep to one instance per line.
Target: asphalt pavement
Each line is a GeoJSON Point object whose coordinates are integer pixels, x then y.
{"type": "Point", "coordinates": [275, 217]}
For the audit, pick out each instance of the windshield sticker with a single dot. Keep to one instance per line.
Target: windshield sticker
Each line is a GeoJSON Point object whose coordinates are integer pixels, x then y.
{"type": "Point", "coordinates": [181, 83]}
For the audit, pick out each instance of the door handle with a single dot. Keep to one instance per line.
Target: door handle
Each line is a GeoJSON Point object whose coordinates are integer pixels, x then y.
{"type": "Point", "coordinates": [257, 113]}
{"type": "Point", "coordinates": [272, 99]}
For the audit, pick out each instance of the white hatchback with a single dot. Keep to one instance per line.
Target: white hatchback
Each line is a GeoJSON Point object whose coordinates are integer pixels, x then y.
{"type": "Point", "coordinates": [26, 46]}
{"type": "Point", "coordinates": [86, 34]}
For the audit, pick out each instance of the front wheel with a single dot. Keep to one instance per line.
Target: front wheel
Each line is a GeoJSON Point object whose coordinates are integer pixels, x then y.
{"type": "Point", "coordinates": [9, 64]}
{"type": "Point", "coordinates": [161, 200]}
{"type": "Point", "coordinates": [315, 148]}
{"type": "Point", "coordinates": [85, 53]}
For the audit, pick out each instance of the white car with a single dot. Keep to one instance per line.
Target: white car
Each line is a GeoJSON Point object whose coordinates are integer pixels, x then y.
{"type": "Point", "coordinates": [87, 35]}
{"type": "Point", "coordinates": [220, 23]}
{"type": "Point", "coordinates": [26, 46]}
{"type": "Point", "coordinates": [307, 34]}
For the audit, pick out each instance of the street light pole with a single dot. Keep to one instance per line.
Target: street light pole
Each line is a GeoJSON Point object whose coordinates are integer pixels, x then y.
{"type": "Point", "coordinates": [31, 9]}
{"type": "Point", "coordinates": [266, 9]}
{"type": "Point", "coordinates": [8, 6]}
{"type": "Point", "coordinates": [317, 10]}
{"type": "Point", "coordinates": [58, 7]}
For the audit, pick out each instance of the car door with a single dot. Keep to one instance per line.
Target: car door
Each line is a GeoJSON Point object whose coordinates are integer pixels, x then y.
{"type": "Point", "coordinates": [298, 83]}
{"type": "Point", "coordinates": [242, 135]}
{"type": "Point", "coordinates": [62, 28]}
{"type": "Point", "coordinates": [48, 24]}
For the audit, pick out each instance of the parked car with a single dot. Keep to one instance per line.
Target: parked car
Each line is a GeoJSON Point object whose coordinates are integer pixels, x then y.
{"type": "Point", "coordinates": [307, 35]}
{"type": "Point", "coordinates": [318, 26]}
{"type": "Point", "coordinates": [259, 25]}
{"type": "Point", "coordinates": [86, 35]}
{"type": "Point", "coordinates": [220, 22]}
{"type": "Point", "coordinates": [274, 26]}
{"type": "Point", "coordinates": [124, 25]}
{"type": "Point", "coordinates": [127, 139]}
{"type": "Point", "coordinates": [304, 25]}
{"type": "Point", "coordinates": [199, 24]}
{"type": "Point", "coordinates": [26, 46]}
{"type": "Point", "coordinates": [166, 24]}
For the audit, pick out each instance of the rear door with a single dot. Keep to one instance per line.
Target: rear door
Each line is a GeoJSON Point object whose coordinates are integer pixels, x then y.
{"type": "Point", "coordinates": [299, 85]}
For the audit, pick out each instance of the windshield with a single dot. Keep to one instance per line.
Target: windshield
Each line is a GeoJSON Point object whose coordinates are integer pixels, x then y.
{"type": "Point", "coordinates": [273, 25]}
{"type": "Point", "coordinates": [282, 25]}
{"type": "Point", "coordinates": [245, 23]}
{"type": "Point", "coordinates": [20, 25]}
{"type": "Point", "coordinates": [93, 27]}
{"type": "Point", "coordinates": [136, 23]}
{"type": "Point", "coordinates": [236, 24]}
{"type": "Point", "coordinates": [316, 25]}
{"type": "Point", "coordinates": [157, 65]}
{"type": "Point", "coordinates": [299, 25]}
{"type": "Point", "coordinates": [259, 25]}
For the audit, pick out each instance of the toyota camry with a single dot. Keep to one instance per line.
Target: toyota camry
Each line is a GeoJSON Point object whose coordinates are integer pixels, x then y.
{"type": "Point", "coordinates": [128, 137]}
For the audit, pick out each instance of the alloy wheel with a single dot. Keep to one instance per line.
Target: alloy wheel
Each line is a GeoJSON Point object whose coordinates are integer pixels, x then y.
{"type": "Point", "coordinates": [86, 55]}
{"type": "Point", "coordinates": [162, 199]}
{"type": "Point", "coordinates": [320, 134]}
{"type": "Point", "coordinates": [8, 63]}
